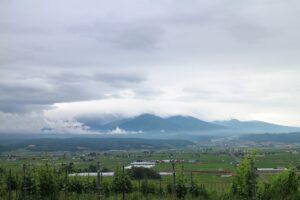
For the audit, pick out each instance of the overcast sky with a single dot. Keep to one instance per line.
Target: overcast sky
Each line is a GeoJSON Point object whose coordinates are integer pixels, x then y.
{"type": "Point", "coordinates": [212, 59]}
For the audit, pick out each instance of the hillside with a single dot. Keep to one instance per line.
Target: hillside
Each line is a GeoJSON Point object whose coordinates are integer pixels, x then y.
{"type": "Point", "coordinates": [256, 126]}
{"type": "Point", "coordinates": [281, 138]}
{"type": "Point", "coordinates": [152, 123]}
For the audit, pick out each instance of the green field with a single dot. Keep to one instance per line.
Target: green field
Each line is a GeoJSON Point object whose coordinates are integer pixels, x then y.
{"type": "Point", "coordinates": [205, 166]}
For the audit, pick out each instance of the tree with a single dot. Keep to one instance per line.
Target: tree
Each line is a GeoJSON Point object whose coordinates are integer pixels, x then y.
{"type": "Point", "coordinates": [105, 188]}
{"type": "Point", "coordinates": [47, 182]}
{"type": "Point", "coordinates": [92, 168]}
{"type": "Point", "coordinates": [29, 184]}
{"type": "Point", "coordinates": [11, 182]}
{"type": "Point", "coordinates": [121, 182]}
{"type": "Point", "coordinates": [242, 182]}
{"type": "Point", "coordinates": [105, 169]}
{"type": "Point", "coordinates": [148, 187]}
{"type": "Point", "coordinates": [181, 189]}
{"type": "Point", "coordinates": [203, 192]}
{"type": "Point", "coordinates": [76, 185]}
{"type": "Point", "coordinates": [141, 173]}
{"type": "Point", "coordinates": [169, 187]}
{"type": "Point", "coordinates": [283, 186]}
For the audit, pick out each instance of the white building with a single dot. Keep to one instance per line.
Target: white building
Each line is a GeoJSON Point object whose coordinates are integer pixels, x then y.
{"type": "Point", "coordinates": [141, 164]}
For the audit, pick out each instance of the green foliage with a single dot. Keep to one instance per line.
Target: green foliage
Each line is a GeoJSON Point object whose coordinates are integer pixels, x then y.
{"type": "Point", "coordinates": [92, 168]}
{"type": "Point", "coordinates": [76, 185]}
{"type": "Point", "coordinates": [196, 191]}
{"type": "Point", "coordinates": [105, 188]}
{"type": "Point", "coordinates": [169, 187]}
{"type": "Point", "coordinates": [181, 189]}
{"type": "Point", "coordinates": [283, 186]}
{"type": "Point", "coordinates": [139, 173]}
{"type": "Point", "coordinates": [47, 182]}
{"type": "Point", "coordinates": [121, 182]}
{"type": "Point", "coordinates": [242, 182]}
{"type": "Point", "coordinates": [105, 169]}
{"type": "Point", "coordinates": [148, 188]}
{"type": "Point", "coordinates": [2, 170]}
{"type": "Point", "coordinates": [29, 184]}
{"type": "Point", "coordinates": [11, 182]}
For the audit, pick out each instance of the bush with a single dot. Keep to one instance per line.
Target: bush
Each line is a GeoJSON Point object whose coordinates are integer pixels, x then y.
{"type": "Point", "coordinates": [148, 188]}
{"type": "Point", "coordinates": [121, 183]}
{"type": "Point", "coordinates": [283, 186]}
{"type": "Point", "coordinates": [139, 173]}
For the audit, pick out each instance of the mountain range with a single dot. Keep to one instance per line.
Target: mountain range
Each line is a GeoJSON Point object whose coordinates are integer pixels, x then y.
{"type": "Point", "coordinates": [149, 123]}
{"type": "Point", "coordinates": [257, 126]}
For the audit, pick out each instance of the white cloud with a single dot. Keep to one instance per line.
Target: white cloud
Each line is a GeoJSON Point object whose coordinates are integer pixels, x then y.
{"type": "Point", "coordinates": [119, 131]}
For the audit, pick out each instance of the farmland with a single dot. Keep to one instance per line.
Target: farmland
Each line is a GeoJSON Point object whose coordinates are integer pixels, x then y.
{"type": "Point", "coordinates": [213, 167]}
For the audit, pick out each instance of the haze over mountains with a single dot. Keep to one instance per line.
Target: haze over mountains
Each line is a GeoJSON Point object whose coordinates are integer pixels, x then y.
{"type": "Point", "coordinates": [148, 123]}
{"type": "Point", "coordinates": [256, 126]}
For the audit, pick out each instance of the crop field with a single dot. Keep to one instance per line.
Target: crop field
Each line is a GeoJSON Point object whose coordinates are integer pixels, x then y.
{"type": "Point", "coordinates": [189, 160]}
{"type": "Point", "coordinates": [202, 163]}
{"type": "Point", "coordinates": [213, 168]}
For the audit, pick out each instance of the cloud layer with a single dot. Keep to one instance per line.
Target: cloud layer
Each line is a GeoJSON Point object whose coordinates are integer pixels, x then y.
{"type": "Point", "coordinates": [210, 59]}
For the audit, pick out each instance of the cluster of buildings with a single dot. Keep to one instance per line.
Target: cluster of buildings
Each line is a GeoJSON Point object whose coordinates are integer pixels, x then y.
{"type": "Point", "coordinates": [152, 163]}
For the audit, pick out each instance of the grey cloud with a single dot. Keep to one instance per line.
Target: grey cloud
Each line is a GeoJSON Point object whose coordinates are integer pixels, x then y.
{"type": "Point", "coordinates": [148, 93]}
{"type": "Point", "coordinates": [119, 79]}
{"type": "Point", "coordinates": [103, 49]}
{"type": "Point", "coordinates": [121, 35]}
{"type": "Point", "coordinates": [25, 93]}
{"type": "Point", "coordinates": [198, 32]}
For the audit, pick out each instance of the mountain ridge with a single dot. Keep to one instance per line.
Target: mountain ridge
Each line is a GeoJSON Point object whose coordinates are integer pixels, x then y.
{"type": "Point", "coordinates": [256, 126]}
{"type": "Point", "coordinates": [150, 123]}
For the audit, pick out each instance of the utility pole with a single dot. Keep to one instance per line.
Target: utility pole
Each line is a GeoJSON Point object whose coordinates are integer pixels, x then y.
{"type": "Point", "coordinates": [9, 185]}
{"type": "Point", "coordinates": [17, 194]}
{"type": "Point", "coordinates": [160, 189]}
{"type": "Point", "coordinates": [253, 181]}
{"type": "Point", "coordinates": [140, 192]}
{"type": "Point", "coordinates": [24, 181]}
{"type": "Point", "coordinates": [192, 185]}
{"type": "Point", "coordinates": [66, 180]}
{"type": "Point", "coordinates": [123, 190]}
{"type": "Point", "coordinates": [98, 180]}
{"type": "Point", "coordinates": [174, 178]}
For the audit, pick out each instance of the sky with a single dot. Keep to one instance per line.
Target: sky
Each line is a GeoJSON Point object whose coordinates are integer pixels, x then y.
{"type": "Point", "coordinates": [211, 59]}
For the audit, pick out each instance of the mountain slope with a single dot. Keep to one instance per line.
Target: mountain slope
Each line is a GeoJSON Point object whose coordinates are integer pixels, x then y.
{"type": "Point", "coordinates": [256, 126]}
{"type": "Point", "coordinates": [152, 123]}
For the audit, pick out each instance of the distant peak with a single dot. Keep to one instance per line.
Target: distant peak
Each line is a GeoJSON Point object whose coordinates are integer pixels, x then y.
{"type": "Point", "coordinates": [148, 115]}
{"type": "Point", "coordinates": [235, 120]}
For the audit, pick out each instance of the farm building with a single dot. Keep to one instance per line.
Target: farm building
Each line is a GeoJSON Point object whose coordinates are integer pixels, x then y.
{"type": "Point", "coordinates": [141, 164]}
{"type": "Point", "coordinates": [270, 170]}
